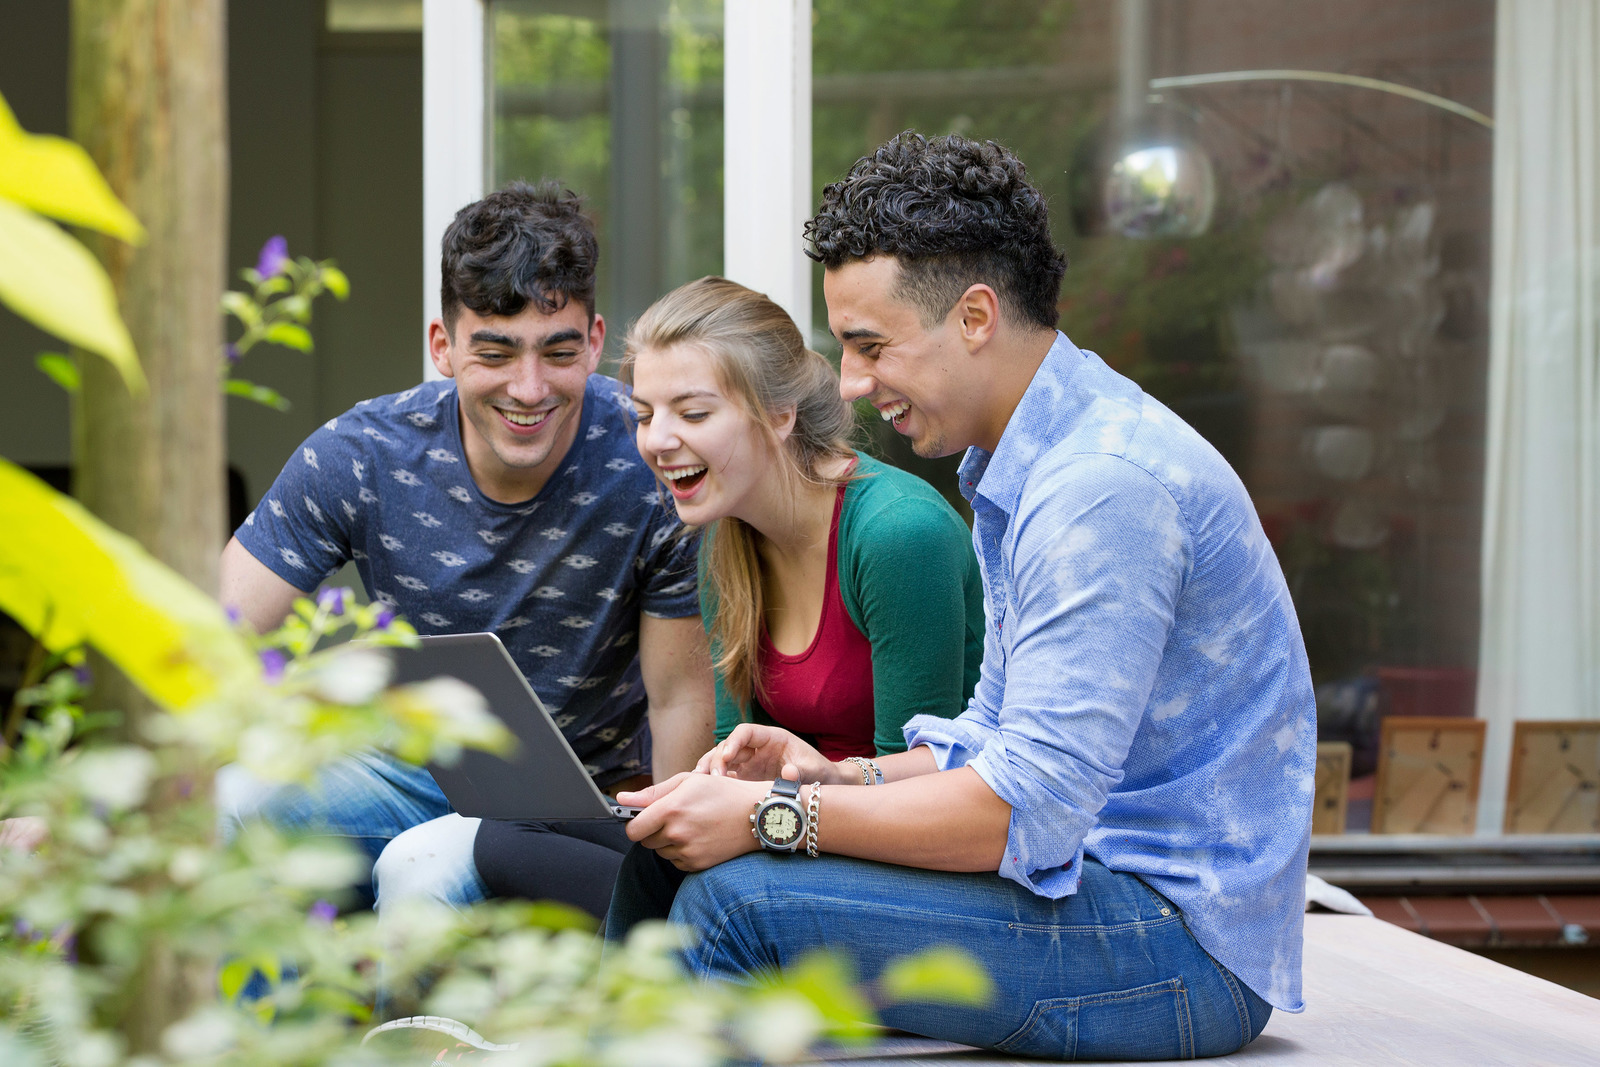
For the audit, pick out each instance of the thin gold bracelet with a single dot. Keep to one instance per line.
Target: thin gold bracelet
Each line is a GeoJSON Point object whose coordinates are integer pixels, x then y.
{"type": "Point", "coordinates": [813, 816]}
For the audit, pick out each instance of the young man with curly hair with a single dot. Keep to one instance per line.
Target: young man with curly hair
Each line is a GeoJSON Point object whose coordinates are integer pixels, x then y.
{"type": "Point", "coordinates": [1117, 825]}
{"type": "Point", "coordinates": [506, 498]}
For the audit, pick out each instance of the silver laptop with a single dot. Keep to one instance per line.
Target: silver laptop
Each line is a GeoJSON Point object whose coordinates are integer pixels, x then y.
{"type": "Point", "coordinates": [543, 779]}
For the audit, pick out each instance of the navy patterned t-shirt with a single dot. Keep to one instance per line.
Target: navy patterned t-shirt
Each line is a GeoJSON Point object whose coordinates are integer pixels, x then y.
{"type": "Point", "coordinates": [562, 578]}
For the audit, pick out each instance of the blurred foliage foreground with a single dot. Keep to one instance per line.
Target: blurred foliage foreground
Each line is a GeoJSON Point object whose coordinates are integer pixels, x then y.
{"type": "Point", "coordinates": [113, 879]}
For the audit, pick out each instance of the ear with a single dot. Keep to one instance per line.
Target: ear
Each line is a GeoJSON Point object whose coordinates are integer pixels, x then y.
{"type": "Point", "coordinates": [597, 341]}
{"type": "Point", "coordinates": [439, 345]}
{"type": "Point", "coordinates": [782, 424]}
{"type": "Point", "coordinates": [977, 314]}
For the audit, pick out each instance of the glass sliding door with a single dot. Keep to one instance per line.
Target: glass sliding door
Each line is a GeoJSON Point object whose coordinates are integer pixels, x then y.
{"type": "Point", "coordinates": [621, 101]}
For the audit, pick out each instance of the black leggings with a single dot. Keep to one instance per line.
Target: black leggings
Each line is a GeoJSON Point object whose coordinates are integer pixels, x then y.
{"type": "Point", "coordinates": [646, 887]}
{"type": "Point", "coordinates": [571, 862]}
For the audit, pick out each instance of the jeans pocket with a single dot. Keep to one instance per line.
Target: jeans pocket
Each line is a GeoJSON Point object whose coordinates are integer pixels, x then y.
{"type": "Point", "coordinates": [1148, 1022]}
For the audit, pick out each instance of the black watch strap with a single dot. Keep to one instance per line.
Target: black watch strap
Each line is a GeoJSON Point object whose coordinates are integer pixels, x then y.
{"type": "Point", "coordinates": [786, 787]}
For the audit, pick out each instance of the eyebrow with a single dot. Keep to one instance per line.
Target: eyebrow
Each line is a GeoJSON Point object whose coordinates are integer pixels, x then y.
{"type": "Point", "coordinates": [493, 337]}
{"type": "Point", "coordinates": [680, 397]}
{"type": "Point", "coordinates": [856, 335]}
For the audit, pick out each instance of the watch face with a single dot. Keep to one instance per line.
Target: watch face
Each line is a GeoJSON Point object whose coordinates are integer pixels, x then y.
{"type": "Point", "coordinates": [780, 824]}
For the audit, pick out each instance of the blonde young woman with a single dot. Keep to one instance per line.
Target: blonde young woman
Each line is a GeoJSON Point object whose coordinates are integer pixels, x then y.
{"type": "Point", "coordinates": [841, 595]}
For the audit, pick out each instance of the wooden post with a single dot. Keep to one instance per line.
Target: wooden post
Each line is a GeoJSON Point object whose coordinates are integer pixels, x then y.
{"type": "Point", "coordinates": [149, 102]}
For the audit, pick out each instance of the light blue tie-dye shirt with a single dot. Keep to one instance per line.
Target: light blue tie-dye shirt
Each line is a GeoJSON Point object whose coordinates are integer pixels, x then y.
{"type": "Point", "coordinates": [1144, 696]}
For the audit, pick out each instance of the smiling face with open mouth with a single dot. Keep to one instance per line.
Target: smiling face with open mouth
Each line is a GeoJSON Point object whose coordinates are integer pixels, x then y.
{"type": "Point", "coordinates": [520, 380]}
{"type": "Point", "coordinates": [714, 458]}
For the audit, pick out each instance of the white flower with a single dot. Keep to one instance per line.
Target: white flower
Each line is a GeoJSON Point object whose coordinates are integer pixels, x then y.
{"type": "Point", "coordinates": [489, 537]}
{"type": "Point", "coordinates": [584, 499]}
{"type": "Point", "coordinates": [442, 455]}
{"type": "Point", "coordinates": [420, 419]}
{"type": "Point", "coordinates": [349, 509]}
{"type": "Point", "coordinates": [359, 469]}
{"type": "Point", "coordinates": [578, 561]}
{"type": "Point", "coordinates": [293, 558]}
{"type": "Point", "coordinates": [414, 584]}
{"type": "Point", "coordinates": [117, 777]}
{"type": "Point", "coordinates": [433, 618]}
{"type": "Point", "coordinates": [571, 681]}
{"type": "Point", "coordinates": [475, 596]}
{"type": "Point", "coordinates": [544, 651]}
{"type": "Point", "coordinates": [250, 519]}
{"type": "Point", "coordinates": [619, 464]}
{"type": "Point", "coordinates": [311, 506]}
{"type": "Point", "coordinates": [401, 398]}
{"type": "Point", "coordinates": [331, 424]}
{"type": "Point", "coordinates": [367, 496]}
{"type": "Point", "coordinates": [374, 434]}
{"type": "Point", "coordinates": [609, 595]}
{"type": "Point", "coordinates": [393, 544]}
{"type": "Point", "coordinates": [449, 559]}
{"type": "Point", "coordinates": [577, 622]}
{"type": "Point", "coordinates": [309, 454]}
{"type": "Point", "coordinates": [564, 721]}
{"type": "Point", "coordinates": [356, 553]}
{"type": "Point", "coordinates": [351, 677]}
{"type": "Point", "coordinates": [426, 519]}
{"type": "Point", "coordinates": [523, 566]}
{"type": "Point", "coordinates": [548, 592]}
{"type": "Point", "coordinates": [619, 529]}
{"type": "Point", "coordinates": [405, 477]}
{"type": "Point", "coordinates": [326, 545]}
{"type": "Point", "coordinates": [513, 623]}
{"type": "Point", "coordinates": [461, 493]}
{"type": "Point", "coordinates": [276, 508]}
{"type": "Point", "coordinates": [552, 534]}
{"type": "Point", "coordinates": [596, 432]}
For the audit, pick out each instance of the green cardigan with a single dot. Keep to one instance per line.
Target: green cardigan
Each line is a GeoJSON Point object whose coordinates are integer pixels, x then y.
{"type": "Point", "coordinates": [910, 583]}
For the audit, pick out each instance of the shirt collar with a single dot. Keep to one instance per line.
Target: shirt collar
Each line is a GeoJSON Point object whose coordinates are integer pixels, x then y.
{"type": "Point", "coordinates": [1048, 402]}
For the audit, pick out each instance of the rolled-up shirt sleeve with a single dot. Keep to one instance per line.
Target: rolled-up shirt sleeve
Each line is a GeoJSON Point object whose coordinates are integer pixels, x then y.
{"type": "Point", "coordinates": [1090, 572]}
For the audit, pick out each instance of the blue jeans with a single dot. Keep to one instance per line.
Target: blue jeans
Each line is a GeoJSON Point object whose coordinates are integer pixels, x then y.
{"type": "Point", "coordinates": [369, 799]}
{"type": "Point", "coordinates": [1109, 973]}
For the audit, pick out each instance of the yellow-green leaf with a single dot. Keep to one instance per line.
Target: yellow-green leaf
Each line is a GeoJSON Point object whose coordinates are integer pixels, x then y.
{"type": "Point", "coordinates": [68, 578]}
{"type": "Point", "coordinates": [55, 177]}
{"type": "Point", "coordinates": [334, 279]}
{"type": "Point", "coordinates": [60, 369]}
{"type": "Point", "coordinates": [289, 335]}
{"type": "Point", "coordinates": [51, 280]}
{"type": "Point", "coordinates": [939, 975]}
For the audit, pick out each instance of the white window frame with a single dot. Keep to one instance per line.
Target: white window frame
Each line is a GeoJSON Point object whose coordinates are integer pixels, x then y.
{"type": "Point", "coordinates": [766, 141]}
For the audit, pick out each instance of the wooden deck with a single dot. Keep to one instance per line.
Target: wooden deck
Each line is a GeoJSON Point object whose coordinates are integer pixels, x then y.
{"type": "Point", "coordinates": [1378, 994]}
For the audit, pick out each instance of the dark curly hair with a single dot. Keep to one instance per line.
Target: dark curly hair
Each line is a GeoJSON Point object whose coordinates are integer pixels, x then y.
{"type": "Point", "coordinates": [953, 212]}
{"type": "Point", "coordinates": [523, 245]}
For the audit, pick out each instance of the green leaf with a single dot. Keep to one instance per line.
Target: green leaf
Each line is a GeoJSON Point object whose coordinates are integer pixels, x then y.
{"type": "Point", "coordinates": [259, 393]}
{"type": "Point", "coordinates": [334, 279]}
{"type": "Point", "coordinates": [55, 177]}
{"type": "Point", "coordinates": [51, 280]}
{"type": "Point", "coordinates": [289, 335]}
{"type": "Point", "coordinates": [60, 369]}
{"type": "Point", "coordinates": [70, 579]}
{"type": "Point", "coordinates": [826, 981]}
{"type": "Point", "coordinates": [242, 308]}
{"type": "Point", "coordinates": [942, 975]}
{"type": "Point", "coordinates": [272, 287]}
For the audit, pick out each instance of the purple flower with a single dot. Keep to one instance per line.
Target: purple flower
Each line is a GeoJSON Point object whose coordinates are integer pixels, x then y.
{"type": "Point", "coordinates": [274, 256]}
{"type": "Point", "coordinates": [233, 614]}
{"type": "Point", "coordinates": [232, 354]}
{"type": "Point", "coordinates": [333, 600]}
{"type": "Point", "coordinates": [384, 619]}
{"type": "Point", "coordinates": [322, 912]}
{"type": "Point", "coordinates": [83, 675]}
{"type": "Point", "coordinates": [272, 664]}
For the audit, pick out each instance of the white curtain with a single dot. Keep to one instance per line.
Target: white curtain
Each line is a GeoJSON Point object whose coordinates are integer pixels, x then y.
{"type": "Point", "coordinates": [1540, 654]}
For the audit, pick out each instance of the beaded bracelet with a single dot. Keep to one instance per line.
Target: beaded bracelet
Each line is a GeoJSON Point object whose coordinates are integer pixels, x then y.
{"type": "Point", "coordinates": [813, 816]}
{"type": "Point", "coordinates": [871, 773]}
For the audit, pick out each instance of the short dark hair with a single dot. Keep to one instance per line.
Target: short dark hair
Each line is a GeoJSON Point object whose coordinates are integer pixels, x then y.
{"type": "Point", "coordinates": [523, 245]}
{"type": "Point", "coordinates": [954, 212]}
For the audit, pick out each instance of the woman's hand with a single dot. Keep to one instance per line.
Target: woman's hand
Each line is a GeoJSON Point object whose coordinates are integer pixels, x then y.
{"type": "Point", "coordinates": [696, 821]}
{"type": "Point", "coordinates": [756, 753]}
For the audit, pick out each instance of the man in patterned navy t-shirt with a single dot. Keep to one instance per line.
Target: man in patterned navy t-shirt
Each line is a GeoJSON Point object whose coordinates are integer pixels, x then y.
{"type": "Point", "coordinates": [507, 498]}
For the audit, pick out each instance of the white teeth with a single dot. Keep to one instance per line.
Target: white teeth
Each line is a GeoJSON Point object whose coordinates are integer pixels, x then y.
{"type": "Point", "coordinates": [682, 472]}
{"type": "Point", "coordinates": [895, 410]}
{"type": "Point", "coordinates": [524, 418]}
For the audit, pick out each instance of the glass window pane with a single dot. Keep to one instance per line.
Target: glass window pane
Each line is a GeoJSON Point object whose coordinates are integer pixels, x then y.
{"type": "Point", "coordinates": [622, 102]}
{"type": "Point", "coordinates": [1325, 327]}
{"type": "Point", "coordinates": [375, 16]}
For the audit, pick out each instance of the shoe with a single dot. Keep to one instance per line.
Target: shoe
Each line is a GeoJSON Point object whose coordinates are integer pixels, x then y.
{"type": "Point", "coordinates": [426, 1032]}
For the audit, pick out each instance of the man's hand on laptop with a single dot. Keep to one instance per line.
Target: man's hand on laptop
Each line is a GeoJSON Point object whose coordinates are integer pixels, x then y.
{"type": "Point", "coordinates": [696, 821]}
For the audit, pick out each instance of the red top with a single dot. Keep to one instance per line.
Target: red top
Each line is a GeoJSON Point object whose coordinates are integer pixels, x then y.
{"type": "Point", "coordinates": [825, 692]}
